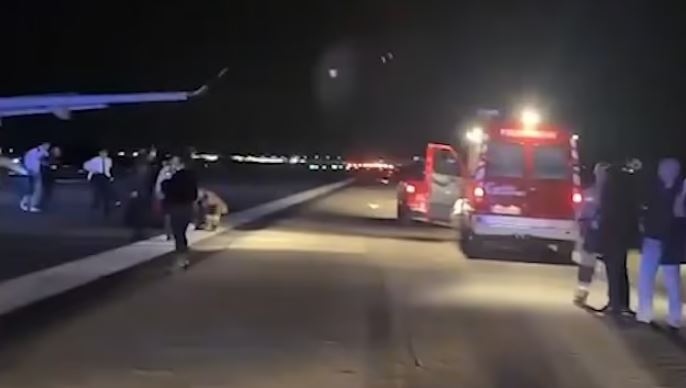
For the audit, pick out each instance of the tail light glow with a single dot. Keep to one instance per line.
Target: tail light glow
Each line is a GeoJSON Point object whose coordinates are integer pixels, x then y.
{"type": "Point", "coordinates": [577, 198]}
{"type": "Point", "coordinates": [410, 189]}
{"type": "Point", "coordinates": [479, 192]}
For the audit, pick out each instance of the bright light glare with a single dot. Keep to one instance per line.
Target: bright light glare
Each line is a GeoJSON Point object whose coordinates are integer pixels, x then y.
{"type": "Point", "coordinates": [575, 137]}
{"type": "Point", "coordinates": [577, 198]}
{"type": "Point", "coordinates": [333, 73]}
{"type": "Point", "coordinates": [206, 157]}
{"type": "Point", "coordinates": [530, 117]}
{"type": "Point", "coordinates": [410, 189]}
{"type": "Point", "coordinates": [475, 135]}
{"type": "Point", "coordinates": [479, 192]}
{"type": "Point", "coordinates": [259, 159]}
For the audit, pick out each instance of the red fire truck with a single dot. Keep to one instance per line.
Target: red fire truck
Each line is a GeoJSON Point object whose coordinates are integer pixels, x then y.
{"type": "Point", "coordinates": [516, 181]}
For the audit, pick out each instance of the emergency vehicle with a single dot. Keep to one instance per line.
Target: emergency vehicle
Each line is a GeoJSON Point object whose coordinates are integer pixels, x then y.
{"type": "Point", "coordinates": [517, 181]}
{"type": "Point", "coordinates": [430, 187]}
{"type": "Point", "coordinates": [525, 185]}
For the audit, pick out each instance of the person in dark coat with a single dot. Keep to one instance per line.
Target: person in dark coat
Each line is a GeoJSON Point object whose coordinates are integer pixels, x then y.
{"type": "Point", "coordinates": [49, 175]}
{"type": "Point", "coordinates": [664, 230]}
{"type": "Point", "coordinates": [618, 229]}
{"type": "Point", "coordinates": [180, 193]}
{"type": "Point", "coordinates": [141, 184]}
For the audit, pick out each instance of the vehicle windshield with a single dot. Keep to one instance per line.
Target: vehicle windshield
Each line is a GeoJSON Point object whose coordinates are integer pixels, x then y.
{"type": "Point", "coordinates": [550, 162]}
{"type": "Point", "coordinates": [505, 160]}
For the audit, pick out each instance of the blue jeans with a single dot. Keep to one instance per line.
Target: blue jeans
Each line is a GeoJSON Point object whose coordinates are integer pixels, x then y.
{"type": "Point", "coordinates": [32, 189]}
{"type": "Point", "coordinates": [651, 256]}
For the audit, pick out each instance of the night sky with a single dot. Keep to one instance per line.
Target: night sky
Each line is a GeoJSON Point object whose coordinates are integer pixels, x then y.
{"type": "Point", "coordinates": [612, 71]}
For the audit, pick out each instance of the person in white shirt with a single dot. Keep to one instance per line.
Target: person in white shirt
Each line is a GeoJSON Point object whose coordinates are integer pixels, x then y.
{"type": "Point", "coordinates": [99, 171]}
{"type": "Point", "coordinates": [32, 161]}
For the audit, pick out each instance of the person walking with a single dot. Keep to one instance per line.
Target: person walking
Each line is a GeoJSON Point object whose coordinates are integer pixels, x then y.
{"type": "Point", "coordinates": [664, 230]}
{"type": "Point", "coordinates": [588, 244]}
{"type": "Point", "coordinates": [33, 160]}
{"type": "Point", "coordinates": [180, 193]}
{"type": "Point", "coordinates": [49, 175]}
{"type": "Point", "coordinates": [140, 186]}
{"type": "Point", "coordinates": [169, 167]}
{"type": "Point", "coordinates": [618, 228]}
{"type": "Point", "coordinates": [99, 171]}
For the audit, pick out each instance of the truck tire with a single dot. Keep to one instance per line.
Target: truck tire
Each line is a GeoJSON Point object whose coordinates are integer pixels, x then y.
{"type": "Point", "coordinates": [470, 244]}
{"type": "Point", "coordinates": [404, 217]}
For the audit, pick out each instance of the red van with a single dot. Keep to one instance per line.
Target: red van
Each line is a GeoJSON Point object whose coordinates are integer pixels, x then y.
{"type": "Point", "coordinates": [429, 188]}
{"type": "Point", "coordinates": [524, 186]}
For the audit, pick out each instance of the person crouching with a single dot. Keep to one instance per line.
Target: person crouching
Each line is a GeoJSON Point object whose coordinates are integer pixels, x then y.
{"type": "Point", "coordinates": [210, 209]}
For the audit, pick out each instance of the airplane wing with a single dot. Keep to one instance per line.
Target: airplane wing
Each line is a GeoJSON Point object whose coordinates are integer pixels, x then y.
{"type": "Point", "coordinates": [62, 106]}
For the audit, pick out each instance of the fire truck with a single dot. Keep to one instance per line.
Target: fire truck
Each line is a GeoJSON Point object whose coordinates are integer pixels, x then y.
{"type": "Point", "coordinates": [514, 182]}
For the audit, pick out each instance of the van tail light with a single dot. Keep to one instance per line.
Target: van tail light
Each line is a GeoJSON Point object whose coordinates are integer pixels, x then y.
{"type": "Point", "coordinates": [577, 198]}
{"type": "Point", "coordinates": [479, 192]}
{"type": "Point", "coordinates": [410, 189]}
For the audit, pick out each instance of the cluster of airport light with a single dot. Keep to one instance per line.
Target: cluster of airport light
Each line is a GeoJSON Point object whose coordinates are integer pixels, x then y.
{"type": "Point", "coordinates": [369, 166]}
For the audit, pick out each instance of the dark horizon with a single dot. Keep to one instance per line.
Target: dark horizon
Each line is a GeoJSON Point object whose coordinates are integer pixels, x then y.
{"type": "Point", "coordinates": [609, 73]}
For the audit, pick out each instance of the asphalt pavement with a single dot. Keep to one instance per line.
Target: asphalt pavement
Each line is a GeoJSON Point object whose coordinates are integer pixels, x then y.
{"type": "Point", "coordinates": [336, 294]}
{"type": "Point", "coordinates": [69, 230]}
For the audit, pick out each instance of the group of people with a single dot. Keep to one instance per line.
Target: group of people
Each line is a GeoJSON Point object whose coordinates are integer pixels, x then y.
{"type": "Point", "coordinates": [618, 212]}
{"type": "Point", "coordinates": [167, 190]}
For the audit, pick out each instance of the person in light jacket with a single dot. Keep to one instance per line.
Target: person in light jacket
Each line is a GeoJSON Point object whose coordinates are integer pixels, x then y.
{"type": "Point", "coordinates": [33, 159]}
{"type": "Point", "coordinates": [99, 171]}
{"type": "Point", "coordinates": [589, 222]}
{"type": "Point", "coordinates": [664, 231]}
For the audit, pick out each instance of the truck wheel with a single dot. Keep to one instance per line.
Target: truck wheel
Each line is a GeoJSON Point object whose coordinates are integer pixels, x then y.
{"type": "Point", "coordinates": [470, 244]}
{"type": "Point", "coordinates": [404, 215]}
{"type": "Point", "coordinates": [565, 251]}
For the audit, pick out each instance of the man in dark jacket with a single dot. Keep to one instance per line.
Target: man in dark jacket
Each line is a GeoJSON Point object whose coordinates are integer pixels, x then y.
{"type": "Point", "coordinates": [180, 193]}
{"type": "Point", "coordinates": [141, 184]}
{"type": "Point", "coordinates": [663, 242]}
{"type": "Point", "coordinates": [618, 229]}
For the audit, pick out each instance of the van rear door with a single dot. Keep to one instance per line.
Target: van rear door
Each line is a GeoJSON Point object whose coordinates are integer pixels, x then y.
{"type": "Point", "coordinates": [550, 187]}
{"type": "Point", "coordinates": [504, 181]}
{"type": "Point", "coordinates": [443, 176]}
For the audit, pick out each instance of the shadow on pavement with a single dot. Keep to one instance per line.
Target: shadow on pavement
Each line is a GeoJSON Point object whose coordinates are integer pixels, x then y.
{"type": "Point", "coordinates": [659, 350]}
{"type": "Point", "coordinates": [318, 221]}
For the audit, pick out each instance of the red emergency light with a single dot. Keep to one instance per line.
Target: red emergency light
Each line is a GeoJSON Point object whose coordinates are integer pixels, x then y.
{"type": "Point", "coordinates": [528, 133]}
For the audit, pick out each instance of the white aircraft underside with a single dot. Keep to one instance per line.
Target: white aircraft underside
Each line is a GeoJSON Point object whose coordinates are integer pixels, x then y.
{"type": "Point", "coordinates": [62, 106]}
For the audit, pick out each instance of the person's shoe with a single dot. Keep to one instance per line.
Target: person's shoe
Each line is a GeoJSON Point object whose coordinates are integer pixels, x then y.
{"type": "Point", "coordinates": [673, 330]}
{"type": "Point", "coordinates": [34, 209]}
{"type": "Point", "coordinates": [580, 297]}
{"type": "Point", "coordinates": [182, 262]}
{"type": "Point", "coordinates": [23, 205]}
{"type": "Point", "coordinates": [621, 312]}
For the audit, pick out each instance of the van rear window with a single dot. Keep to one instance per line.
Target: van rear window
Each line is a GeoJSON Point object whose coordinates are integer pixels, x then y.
{"type": "Point", "coordinates": [551, 162]}
{"type": "Point", "coordinates": [505, 160]}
